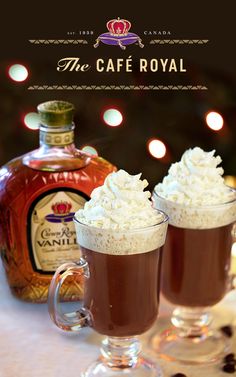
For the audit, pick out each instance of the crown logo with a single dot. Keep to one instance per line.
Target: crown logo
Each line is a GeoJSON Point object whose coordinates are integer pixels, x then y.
{"type": "Point", "coordinates": [118, 27]}
{"type": "Point", "coordinates": [61, 208]}
{"type": "Point", "coordinates": [119, 34]}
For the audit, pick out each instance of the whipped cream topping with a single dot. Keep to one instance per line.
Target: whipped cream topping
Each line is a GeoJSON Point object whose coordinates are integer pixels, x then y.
{"type": "Point", "coordinates": [121, 203]}
{"type": "Point", "coordinates": [119, 218]}
{"type": "Point", "coordinates": [196, 180]}
{"type": "Point", "coordinates": [194, 195]}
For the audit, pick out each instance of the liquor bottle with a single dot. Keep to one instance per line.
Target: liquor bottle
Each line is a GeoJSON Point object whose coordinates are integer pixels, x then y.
{"type": "Point", "coordinates": [39, 194]}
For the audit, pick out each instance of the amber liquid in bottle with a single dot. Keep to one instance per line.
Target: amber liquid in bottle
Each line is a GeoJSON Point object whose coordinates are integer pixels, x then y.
{"type": "Point", "coordinates": [39, 193]}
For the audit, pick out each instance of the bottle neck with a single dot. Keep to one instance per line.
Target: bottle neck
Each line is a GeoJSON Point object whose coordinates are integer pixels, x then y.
{"type": "Point", "coordinates": [57, 151]}
{"type": "Point", "coordinates": [51, 137]}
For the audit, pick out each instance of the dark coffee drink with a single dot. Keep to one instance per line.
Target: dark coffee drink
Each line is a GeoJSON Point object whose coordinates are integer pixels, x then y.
{"type": "Point", "coordinates": [122, 292]}
{"type": "Point", "coordinates": [197, 254]}
{"type": "Point", "coordinates": [196, 265]}
{"type": "Point", "coordinates": [121, 237]}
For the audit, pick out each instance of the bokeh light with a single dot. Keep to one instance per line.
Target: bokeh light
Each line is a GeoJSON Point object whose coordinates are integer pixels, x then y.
{"type": "Point", "coordinates": [32, 121]}
{"type": "Point", "coordinates": [157, 148]}
{"type": "Point", "coordinates": [112, 117]}
{"type": "Point", "coordinates": [214, 121]}
{"type": "Point", "coordinates": [230, 180]}
{"type": "Point", "coordinates": [18, 72]}
{"type": "Point", "coordinates": [89, 149]}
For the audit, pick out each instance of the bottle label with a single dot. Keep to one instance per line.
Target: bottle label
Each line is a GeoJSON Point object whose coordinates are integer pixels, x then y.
{"type": "Point", "coordinates": [51, 231]}
{"type": "Point", "coordinates": [56, 138]}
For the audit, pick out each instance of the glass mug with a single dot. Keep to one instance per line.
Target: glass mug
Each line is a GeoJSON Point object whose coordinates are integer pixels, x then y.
{"type": "Point", "coordinates": [121, 294]}
{"type": "Point", "coordinates": [195, 276]}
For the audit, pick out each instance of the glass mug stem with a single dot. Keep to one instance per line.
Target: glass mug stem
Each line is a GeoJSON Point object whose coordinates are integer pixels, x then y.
{"type": "Point", "coordinates": [73, 321]}
{"type": "Point", "coordinates": [195, 322]}
{"type": "Point", "coordinates": [191, 322]}
{"type": "Point", "coordinates": [120, 352]}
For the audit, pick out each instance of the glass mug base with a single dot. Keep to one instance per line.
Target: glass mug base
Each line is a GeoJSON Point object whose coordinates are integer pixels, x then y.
{"type": "Point", "coordinates": [121, 356]}
{"type": "Point", "coordinates": [143, 368]}
{"type": "Point", "coordinates": [205, 349]}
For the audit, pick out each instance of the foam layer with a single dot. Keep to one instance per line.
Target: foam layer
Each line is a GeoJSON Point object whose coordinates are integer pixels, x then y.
{"type": "Point", "coordinates": [121, 242]}
{"type": "Point", "coordinates": [197, 217]}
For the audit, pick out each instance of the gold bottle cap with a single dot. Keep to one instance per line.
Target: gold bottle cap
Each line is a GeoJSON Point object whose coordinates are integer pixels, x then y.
{"type": "Point", "coordinates": [56, 113]}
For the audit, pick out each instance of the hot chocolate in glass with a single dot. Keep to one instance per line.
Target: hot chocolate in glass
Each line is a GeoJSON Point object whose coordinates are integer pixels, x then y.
{"type": "Point", "coordinates": [197, 254]}
{"type": "Point", "coordinates": [121, 237]}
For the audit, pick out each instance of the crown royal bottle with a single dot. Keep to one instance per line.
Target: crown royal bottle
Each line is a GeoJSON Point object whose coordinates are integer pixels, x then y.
{"type": "Point", "coordinates": [39, 194]}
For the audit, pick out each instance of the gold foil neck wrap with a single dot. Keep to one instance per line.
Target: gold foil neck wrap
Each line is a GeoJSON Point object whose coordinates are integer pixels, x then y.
{"type": "Point", "coordinates": [56, 113]}
{"type": "Point", "coordinates": [57, 139]}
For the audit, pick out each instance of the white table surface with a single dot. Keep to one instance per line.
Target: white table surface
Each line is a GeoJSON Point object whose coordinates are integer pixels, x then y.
{"type": "Point", "coordinates": [31, 345]}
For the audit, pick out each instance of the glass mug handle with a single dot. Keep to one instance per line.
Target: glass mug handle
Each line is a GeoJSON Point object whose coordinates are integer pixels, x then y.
{"type": "Point", "coordinates": [232, 282]}
{"type": "Point", "coordinates": [232, 275]}
{"type": "Point", "coordinates": [73, 321]}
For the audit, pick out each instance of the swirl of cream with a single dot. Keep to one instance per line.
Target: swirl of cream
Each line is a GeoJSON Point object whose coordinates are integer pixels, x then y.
{"type": "Point", "coordinates": [195, 180]}
{"type": "Point", "coordinates": [121, 203]}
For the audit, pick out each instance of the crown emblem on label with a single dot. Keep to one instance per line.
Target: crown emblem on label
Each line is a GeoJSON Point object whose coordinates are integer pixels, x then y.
{"type": "Point", "coordinates": [119, 34]}
{"type": "Point", "coordinates": [118, 27]}
{"type": "Point", "coordinates": [61, 208]}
